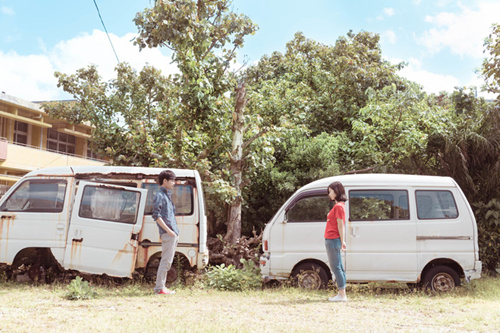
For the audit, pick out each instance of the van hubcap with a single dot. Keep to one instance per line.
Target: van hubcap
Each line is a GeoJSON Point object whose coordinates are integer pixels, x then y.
{"type": "Point", "coordinates": [443, 282]}
{"type": "Point", "coordinates": [309, 280]}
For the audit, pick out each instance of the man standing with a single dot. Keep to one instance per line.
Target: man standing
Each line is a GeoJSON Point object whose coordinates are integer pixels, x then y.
{"type": "Point", "coordinates": [164, 215]}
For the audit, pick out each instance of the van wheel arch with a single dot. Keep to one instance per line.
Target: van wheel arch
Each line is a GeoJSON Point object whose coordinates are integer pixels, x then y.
{"type": "Point", "coordinates": [175, 273]}
{"type": "Point", "coordinates": [448, 271]}
{"type": "Point", "coordinates": [311, 274]}
{"type": "Point", "coordinates": [35, 263]}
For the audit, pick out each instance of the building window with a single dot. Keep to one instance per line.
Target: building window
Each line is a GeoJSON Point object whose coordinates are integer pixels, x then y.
{"type": "Point", "coordinates": [20, 133]}
{"type": "Point", "coordinates": [61, 142]}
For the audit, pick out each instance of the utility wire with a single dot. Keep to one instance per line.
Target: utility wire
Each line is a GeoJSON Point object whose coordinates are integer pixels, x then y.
{"type": "Point", "coordinates": [106, 30]}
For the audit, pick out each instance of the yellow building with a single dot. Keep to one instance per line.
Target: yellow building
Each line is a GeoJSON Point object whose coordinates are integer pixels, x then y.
{"type": "Point", "coordinates": [30, 140]}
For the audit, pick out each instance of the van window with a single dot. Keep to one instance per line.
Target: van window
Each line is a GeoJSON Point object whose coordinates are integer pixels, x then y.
{"type": "Point", "coordinates": [309, 209]}
{"type": "Point", "coordinates": [371, 205]}
{"type": "Point", "coordinates": [37, 195]}
{"type": "Point", "coordinates": [436, 205]}
{"type": "Point", "coordinates": [110, 204]}
{"type": "Point", "coordinates": [182, 196]}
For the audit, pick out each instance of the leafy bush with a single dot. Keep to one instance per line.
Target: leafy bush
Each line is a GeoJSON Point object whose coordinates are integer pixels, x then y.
{"type": "Point", "coordinates": [488, 225]}
{"type": "Point", "coordinates": [230, 278]}
{"type": "Point", "coordinates": [80, 289]}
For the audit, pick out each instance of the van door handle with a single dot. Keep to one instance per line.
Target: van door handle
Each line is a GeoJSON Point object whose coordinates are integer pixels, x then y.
{"type": "Point", "coordinates": [354, 231]}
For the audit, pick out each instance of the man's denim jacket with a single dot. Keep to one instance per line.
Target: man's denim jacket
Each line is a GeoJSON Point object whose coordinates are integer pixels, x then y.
{"type": "Point", "coordinates": [163, 207]}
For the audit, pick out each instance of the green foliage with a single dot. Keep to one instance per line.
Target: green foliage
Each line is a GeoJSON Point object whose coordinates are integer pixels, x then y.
{"type": "Point", "coordinates": [230, 278]}
{"type": "Point", "coordinates": [491, 65]}
{"type": "Point", "coordinates": [488, 218]}
{"type": "Point", "coordinates": [79, 289]}
{"type": "Point", "coordinates": [392, 130]}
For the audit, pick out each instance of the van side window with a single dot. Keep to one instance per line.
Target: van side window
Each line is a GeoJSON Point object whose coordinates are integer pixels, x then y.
{"type": "Point", "coordinates": [37, 195]}
{"type": "Point", "coordinates": [182, 195]}
{"type": "Point", "coordinates": [436, 205]}
{"type": "Point", "coordinates": [309, 209]}
{"type": "Point", "coordinates": [110, 204]}
{"type": "Point", "coordinates": [371, 205]}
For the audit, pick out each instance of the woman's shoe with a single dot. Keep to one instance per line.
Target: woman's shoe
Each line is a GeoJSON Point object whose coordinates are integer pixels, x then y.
{"type": "Point", "coordinates": [337, 298]}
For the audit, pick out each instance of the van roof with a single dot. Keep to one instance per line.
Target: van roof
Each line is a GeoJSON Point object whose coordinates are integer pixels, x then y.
{"type": "Point", "coordinates": [384, 180]}
{"type": "Point", "coordinates": [107, 170]}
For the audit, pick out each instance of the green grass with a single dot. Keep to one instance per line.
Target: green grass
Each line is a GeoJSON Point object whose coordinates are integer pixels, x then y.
{"type": "Point", "coordinates": [134, 308]}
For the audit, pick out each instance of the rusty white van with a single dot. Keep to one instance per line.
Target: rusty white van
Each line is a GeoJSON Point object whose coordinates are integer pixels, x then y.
{"type": "Point", "coordinates": [399, 228]}
{"type": "Point", "coordinates": [98, 220]}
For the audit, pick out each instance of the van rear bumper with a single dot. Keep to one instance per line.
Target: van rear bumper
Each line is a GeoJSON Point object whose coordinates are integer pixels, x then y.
{"type": "Point", "coordinates": [475, 273]}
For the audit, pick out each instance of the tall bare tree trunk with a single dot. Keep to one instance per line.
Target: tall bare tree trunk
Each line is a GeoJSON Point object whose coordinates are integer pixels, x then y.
{"type": "Point", "coordinates": [236, 167]}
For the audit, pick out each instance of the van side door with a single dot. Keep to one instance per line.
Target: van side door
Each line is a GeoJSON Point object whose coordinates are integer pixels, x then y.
{"type": "Point", "coordinates": [104, 227]}
{"type": "Point", "coordinates": [380, 236]}
{"type": "Point", "coordinates": [298, 234]}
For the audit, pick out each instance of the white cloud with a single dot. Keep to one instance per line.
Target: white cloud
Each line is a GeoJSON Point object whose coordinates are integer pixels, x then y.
{"type": "Point", "coordinates": [432, 83]}
{"type": "Point", "coordinates": [464, 32]}
{"type": "Point", "coordinates": [389, 11]}
{"type": "Point", "coordinates": [7, 11]}
{"type": "Point", "coordinates": [389, 36]}
{"type": "Point", "coordinates": [32, 77]}
{"type": "Point", "coordinates": [386, 12]}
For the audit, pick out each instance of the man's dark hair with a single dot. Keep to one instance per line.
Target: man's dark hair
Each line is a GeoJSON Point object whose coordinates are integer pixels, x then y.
{"type": "Point", "coordinates": [165, 174]}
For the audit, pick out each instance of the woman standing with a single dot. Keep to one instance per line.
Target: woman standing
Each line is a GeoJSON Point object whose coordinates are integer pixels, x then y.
{"type": "Point", "coordinates": [334, 238]}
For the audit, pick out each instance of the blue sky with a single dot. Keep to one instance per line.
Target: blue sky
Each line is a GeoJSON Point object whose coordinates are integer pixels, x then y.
{"type": "Point", "coordinates": [441, 40]}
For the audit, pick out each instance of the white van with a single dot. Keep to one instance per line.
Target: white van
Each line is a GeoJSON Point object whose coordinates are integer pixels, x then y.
{"type": "Point", "coordinates": [98, 220]}
{"type": "Point", "coordinates": [399, 228]}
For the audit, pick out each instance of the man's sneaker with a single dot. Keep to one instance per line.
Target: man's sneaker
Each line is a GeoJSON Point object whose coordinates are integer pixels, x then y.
{"type": "Point", "coordinates": [337, 298]}
{"type": "Point", "coordinates": [166, 292]}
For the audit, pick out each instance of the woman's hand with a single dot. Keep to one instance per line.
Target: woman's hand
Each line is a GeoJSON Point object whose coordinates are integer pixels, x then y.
{"type": "Point", "coordinates": [344, 247]}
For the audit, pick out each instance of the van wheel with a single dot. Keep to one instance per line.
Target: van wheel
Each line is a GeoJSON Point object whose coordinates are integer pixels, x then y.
{"type": "Point", "coordinates": [174, 273]}
{"type": "Point", "coordinates": [441, 278]}
{"type": "Point", "coordinates": [310, 276]}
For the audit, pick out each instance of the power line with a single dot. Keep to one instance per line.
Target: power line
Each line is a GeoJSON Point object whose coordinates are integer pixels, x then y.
{"type": "Point", "coordinates": [106, 30]}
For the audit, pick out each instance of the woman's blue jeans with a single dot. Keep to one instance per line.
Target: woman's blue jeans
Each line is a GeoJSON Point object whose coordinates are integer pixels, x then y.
{"type": "Point", "coordinates": [333, 250]}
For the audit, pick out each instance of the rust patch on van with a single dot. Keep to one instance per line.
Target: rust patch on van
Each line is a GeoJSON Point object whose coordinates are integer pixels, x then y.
{"type": "Point", "coordinates": [7, 221]}
{"type": "Point", "coordinates": [76, 249]}
{"type": "Point", "coordinates": [120, 254]}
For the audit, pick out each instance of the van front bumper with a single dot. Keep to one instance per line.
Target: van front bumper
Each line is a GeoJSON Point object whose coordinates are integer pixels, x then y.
{"type": "Point", "coordinates": [475, 273]}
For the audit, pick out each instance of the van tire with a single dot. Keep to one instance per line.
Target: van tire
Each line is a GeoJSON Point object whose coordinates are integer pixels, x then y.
{"type": "Point", "coordinates": [441, 278]}
{"type": "Point", "coordinates": [174, 274]}
{"type": "Point", "coordinates": [310, 276]}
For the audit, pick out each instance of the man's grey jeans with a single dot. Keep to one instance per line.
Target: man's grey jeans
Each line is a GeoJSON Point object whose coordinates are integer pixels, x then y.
{"type": "Point", "coordinates": [168, 246]}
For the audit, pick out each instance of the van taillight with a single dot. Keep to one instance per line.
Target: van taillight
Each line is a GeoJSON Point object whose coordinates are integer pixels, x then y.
{"type": "Point", "coordinates": [265, 246]}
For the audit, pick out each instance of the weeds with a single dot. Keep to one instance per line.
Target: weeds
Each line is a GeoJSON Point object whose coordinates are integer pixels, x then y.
{"type": "Point", "coordinates": [79, 289]}
{"type": "Point", "coordinates": [222, 277]}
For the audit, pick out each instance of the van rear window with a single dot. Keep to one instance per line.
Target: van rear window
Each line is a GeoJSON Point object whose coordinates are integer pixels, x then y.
{"type": "Point", "coordinates": [375, 205]}
{"type": "Point", "coordinates": [37, 196]}
{"type": "Point", "coordinates": [436, 205]}
{"type": "Point", "coordinates": [182, 195]}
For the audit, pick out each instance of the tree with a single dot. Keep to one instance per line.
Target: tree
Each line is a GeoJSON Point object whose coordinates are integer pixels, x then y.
{"type": "Point", "coordinates": [123, 112]}
{"type": "Point", "coordinates": [313, 92]}
{"type": "Point", "coordinates": [491, 64]}
{"type": "Point", "coordinates": [191, 124]}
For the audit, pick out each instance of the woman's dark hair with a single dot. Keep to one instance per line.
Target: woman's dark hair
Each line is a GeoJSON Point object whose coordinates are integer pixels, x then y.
{"type": "Point", "coordinates": [339, 190]}
{"type": "Point", "coordinates": [165, 174]}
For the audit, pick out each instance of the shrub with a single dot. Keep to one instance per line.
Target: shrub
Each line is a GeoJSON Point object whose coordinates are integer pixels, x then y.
{"type": "Point", "coordinates": [80, 289]}
{"type": "Point", "coordinates": [230, 278]}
